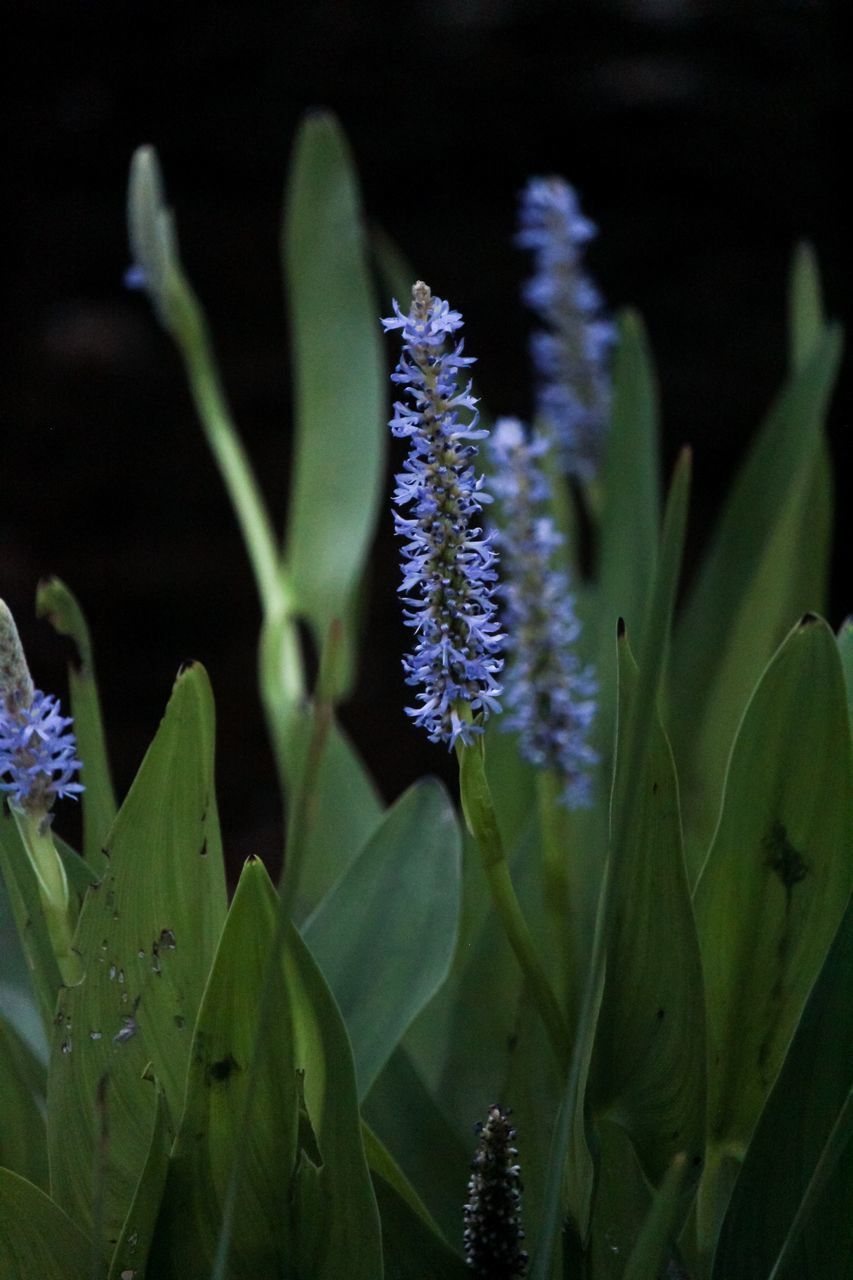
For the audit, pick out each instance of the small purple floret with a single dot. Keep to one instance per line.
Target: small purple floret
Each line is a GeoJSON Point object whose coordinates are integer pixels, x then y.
{"type": "Point", "coordinates": [38, 756]}
{"type": "Point", "coordinates": [571, 353]}
{"type": "Point", "coordinates": [549, 695]}
{"type": "Point", "coordinates": [449, 562]}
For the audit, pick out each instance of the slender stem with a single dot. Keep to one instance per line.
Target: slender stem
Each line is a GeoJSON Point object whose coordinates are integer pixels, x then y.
{"type": "Point", "coordinates": [52, 883]}
{"type": "Point", "coordinates": [188, 326]}
{"type": "Point", "coordinates": [482, 823]}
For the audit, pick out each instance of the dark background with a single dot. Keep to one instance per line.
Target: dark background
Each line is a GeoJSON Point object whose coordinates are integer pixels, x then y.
{"type": "Point", "coordinates": [704, 138]}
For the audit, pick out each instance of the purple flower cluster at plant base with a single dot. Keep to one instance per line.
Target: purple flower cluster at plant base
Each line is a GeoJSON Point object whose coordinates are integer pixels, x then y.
{"type": "Point", "coordinates": [38, 756]}
{"type": "Point", "coordinates": [571, 353]}
{"type": "Point", "coordinates": [449, 561]}
{"type": "Point", "coordinates": [549, 696]}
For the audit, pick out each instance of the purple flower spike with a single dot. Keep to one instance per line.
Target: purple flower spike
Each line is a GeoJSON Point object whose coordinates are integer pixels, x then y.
{"type": "Point", "coordinates": [549, 696]}
{"type": "Point", "coordinates": [38, 756]}
{"type": "Point", "coordinates": [571, 353]}
{"type": "Point", "coordinates": [449, 563]}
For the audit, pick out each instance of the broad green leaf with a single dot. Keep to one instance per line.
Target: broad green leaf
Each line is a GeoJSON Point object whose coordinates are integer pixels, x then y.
{"type": "Point", "coordinates": [303, 1193]}
{"type": "Point", "coordinates": [146, 934]}
{"type": "Point", "coordinates": [794, 1127]}
{"type": "Point", "coordinates": [775, 885]}
{"type": "Point", "coordinates": [382, 1163]}
{"type": "Point", "coordinates": [55, 602]}
{"type": "Point", "coordinates": [220, 1074]}
{"type": "Point", "coordinates": [23, 1138]}
{"type": "Point", "coordinates": [765, 567]}
{"type": "Point", "coordinates": [131, 1252]}
{"type": "Point", "coordinates": [630, 524]}
{"type": "Point", "coordinates": [37, 1240]}
{"type": "Point", "coordinates": [649, 1071]}
{"type": "Point", "coordinates": [403, 888]}
{"type": "Point", "coordinates": [338, 371]}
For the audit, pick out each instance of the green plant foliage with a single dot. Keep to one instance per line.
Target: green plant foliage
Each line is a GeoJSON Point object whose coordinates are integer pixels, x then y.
{"type": "Point", "coordinates": [776, 881]}
{"type": "Point", "coordinates": [24, 906]}
{"type": "Point", "coordinates": [648, 1071]}
{"type": "Point", "coordinates": [338, 370]}
{"type": "Point", "coordinates": [286, 1112]}
{"type": "Point", "coordinates": [766, 566]}
{"type": "Point", "coordinates": [130, 1257]}
{"type": "Point", "coordinates": [655, 1239]}
{"type": "Point", "coordinates": [146, 935]}
{"type": "Point", "coordinates": [630, 519]}
{"type": "Point", "coordinates": [55, 602]}
{"type": "Point", "coordinates": [790, 1137]}
{"type": "Point", "coordinates": [36, 1237]}
{"type": "Point", "coordinates": [404, 887]}
{"type": "Point", "coordinates": [23, 1138]}
{"type": "Point", "coordinates": [845, 648]}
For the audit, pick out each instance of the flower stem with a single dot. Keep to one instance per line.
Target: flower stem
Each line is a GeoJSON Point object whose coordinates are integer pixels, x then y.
{"type": "Point", "coordinates": [478, 808]}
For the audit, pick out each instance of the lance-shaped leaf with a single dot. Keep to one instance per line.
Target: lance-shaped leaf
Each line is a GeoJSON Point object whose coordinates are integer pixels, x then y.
{"type": "Point", "coordinates": [845, 648]}
{"type": "Point", "coordinates": [795, 1125]}
{"type": "Point", "coordinates": [130, 1257]}
{"type": "Point", "coordinates": [630, 524]}
{"type": "Point", "coordinates": [23, 905]}
{"type": "Point", "coordinates": [272, 1123]}
{"type": "Point", "coordinates": [648, 1069]}
{"type": "Point", "coordinates": [777, 878]}
{"type": "Point", "coordinates": [36, 1238]}
{"type": "Point", "coordinates": [766, 566]}
{"type": "Point", "coordinates": [146, 935]}
{"type": "Point", "coordinates": [55, 602]}
{"type": "Point", "coordinates": [403, 888]}
{"type": "Point", "coordinates": [338, 373]}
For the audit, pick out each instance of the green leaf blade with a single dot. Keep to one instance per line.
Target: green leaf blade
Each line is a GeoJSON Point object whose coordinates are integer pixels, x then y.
{"type": "Point", "coordinates": [146, 936]}
{"type": "Point", "coordinates": [36, 1238]}
{"type": "Point", "coordinates": [339, 376]}
{"type": "Point", "coordinates": [777, 878]}
{"type": "Point", "coordinates": [403, 887]}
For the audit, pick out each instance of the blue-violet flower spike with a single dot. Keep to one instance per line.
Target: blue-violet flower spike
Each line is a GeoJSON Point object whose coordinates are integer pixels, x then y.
{"type": "Point", "coordinates": [449, 562]}
{"type": "Point", "coordinates": [549, 696]}
{"type": "Point", "coordinates": [571, 353]}
{"type": "Point", "coordinates": [38, 755]}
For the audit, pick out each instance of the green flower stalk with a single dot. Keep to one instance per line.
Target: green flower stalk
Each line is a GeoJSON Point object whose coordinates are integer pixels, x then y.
{"type": "Point", "coordinates": [38, 764]}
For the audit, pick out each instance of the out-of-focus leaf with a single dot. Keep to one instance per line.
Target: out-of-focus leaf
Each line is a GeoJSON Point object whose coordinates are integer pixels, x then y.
{"type": "Point", "coordinates": [805, 306]}
{"type": "Point", "coordinates": [384, 936]}
{"type": "Point", "coordinates": [775, 885]}
{"type": "Point", "coordinates": [36, 1237]}
{"type": "Point", "coordinates": [805, 1102]}
{"type": "Point", "coordinates": [630, 524]}
{"type": "Point", "coordinates": [131, 1252]}
{"type": "Point", "coordinates": [766, 566]}
{"type": "Point", "coordinates": [648, 1071]}
{"type": "Point", "coordinates": [845, 648]}
{"type": "Point", "coordinates": [55, 602]}
{"type": "Point", "coordinates": [23, 1139]}
{"type": "Point", "coordinates": [146, 935]}
{"type": "Point", "coordinates": [338, 371]}
{"type": "Point", "coordinates": [18, 1001]}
